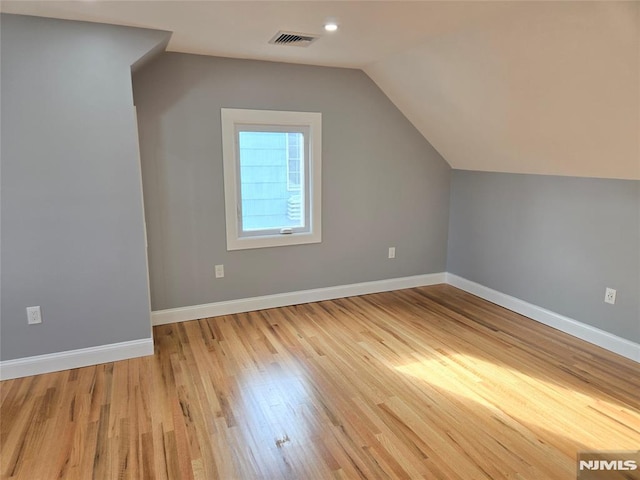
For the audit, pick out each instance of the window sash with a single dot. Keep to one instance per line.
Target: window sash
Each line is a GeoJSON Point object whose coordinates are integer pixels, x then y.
{"type": "Point", "coordinates": [237, 239]}
{"type": "Point", "coordinates": [304, 197]}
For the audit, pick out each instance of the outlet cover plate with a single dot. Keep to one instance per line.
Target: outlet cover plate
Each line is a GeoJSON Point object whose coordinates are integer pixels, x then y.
{"type": "Point", "coordinates": [34, 315]}
{"type": "Point", "coordinates": [219, 271]}
{"type": "Point", "coordinates": [610, 296]}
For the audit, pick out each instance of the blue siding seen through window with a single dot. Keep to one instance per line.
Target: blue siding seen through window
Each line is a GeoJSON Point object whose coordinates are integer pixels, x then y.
{"type": "Point", "coordinates": [270, 196]}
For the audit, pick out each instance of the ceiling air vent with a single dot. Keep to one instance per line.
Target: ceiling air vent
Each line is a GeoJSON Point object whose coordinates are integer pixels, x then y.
{"type": "Point", "coordinates": [294, 39]}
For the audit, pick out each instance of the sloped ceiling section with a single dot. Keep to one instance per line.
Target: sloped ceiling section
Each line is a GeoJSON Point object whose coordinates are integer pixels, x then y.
{"type": "Point", "coordinates": [539, 87]}
{"type": "Point", "coordinates": [548, 87]}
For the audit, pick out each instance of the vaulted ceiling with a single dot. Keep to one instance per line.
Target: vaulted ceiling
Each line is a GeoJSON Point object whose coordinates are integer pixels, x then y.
{"type": "Point", "coordinates": [524, 87]}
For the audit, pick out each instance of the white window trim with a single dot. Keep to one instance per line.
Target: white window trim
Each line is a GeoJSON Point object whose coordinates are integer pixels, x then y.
{"type": "Point", "coordinates": [231, 117]}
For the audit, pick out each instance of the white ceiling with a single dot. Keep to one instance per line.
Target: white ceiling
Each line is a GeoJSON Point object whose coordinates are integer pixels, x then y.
{"type": "Point", "coordinates": [369, 30]}
{"type": "Point", "coordinates": [528, 87]}
{"type": "Point", "coordinates": [544, 88]}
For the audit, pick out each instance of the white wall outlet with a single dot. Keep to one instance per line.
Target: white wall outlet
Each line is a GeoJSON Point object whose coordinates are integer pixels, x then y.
{"type": "Point", "coordinates": [34, 315]}
{"type": "Point", "coordinates": [392, 252]}
{"type": "Point", "coordinates": [219, 271]}
{"type": "Point", "coordinates": [610, 296]}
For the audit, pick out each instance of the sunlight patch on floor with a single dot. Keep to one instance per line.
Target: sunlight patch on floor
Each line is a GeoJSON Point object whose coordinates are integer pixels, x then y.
{"type": "Point", "coordinates": [529, 400]}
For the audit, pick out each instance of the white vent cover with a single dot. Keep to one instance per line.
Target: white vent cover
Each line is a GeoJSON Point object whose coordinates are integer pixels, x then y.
{"type": "Point", "coordinates": [294, 39]}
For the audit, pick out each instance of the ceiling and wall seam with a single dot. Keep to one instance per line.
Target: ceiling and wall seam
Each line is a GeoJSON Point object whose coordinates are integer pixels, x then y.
{"type": "Point", "coordinates": [548, 88]}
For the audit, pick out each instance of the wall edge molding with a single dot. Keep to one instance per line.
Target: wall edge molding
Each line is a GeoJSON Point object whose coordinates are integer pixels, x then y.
{"type": "Point", "coordinates": [588, 333]}
{"type": "Point", "coordinates": [183, 314]}
{"type": "Point", "coordinates": [83, 357]}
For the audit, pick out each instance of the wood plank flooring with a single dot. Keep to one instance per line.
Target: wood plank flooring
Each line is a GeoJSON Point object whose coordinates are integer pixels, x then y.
{"type": "Point", "coordinates": [423, 383]}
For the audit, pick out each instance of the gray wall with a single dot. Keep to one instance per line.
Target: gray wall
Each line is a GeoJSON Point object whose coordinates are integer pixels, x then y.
{"type": "Point", "coordinates": [556, 242]}
{"type": "Point", "coordinates": [383, 184]}
{"type": "Point", "coordinates": [71, 204]}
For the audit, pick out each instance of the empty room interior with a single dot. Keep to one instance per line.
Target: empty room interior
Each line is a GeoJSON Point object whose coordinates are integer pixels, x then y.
{"type": "Point", "coordinates": [320, 239]}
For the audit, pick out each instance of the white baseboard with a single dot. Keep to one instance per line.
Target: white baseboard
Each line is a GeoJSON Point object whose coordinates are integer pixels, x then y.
{"type": "Point", "coordinates": [590, 334]}
{"type": "Point", "coordinates": [83, 357]}
{"type": "Point", "coordinates": [162, 317]}
{"type": "Point", "coordinates": [54, 362]}
{"type": "Point", "coordinates": [603, 339]}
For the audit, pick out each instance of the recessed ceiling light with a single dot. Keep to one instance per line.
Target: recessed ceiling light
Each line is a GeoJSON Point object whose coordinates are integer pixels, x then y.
{"type": "Point", "coordinates": [331, 26]}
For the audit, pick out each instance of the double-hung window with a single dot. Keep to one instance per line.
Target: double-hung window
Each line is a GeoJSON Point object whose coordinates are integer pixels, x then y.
{"type": "Point", "coordinates": [272, 177]}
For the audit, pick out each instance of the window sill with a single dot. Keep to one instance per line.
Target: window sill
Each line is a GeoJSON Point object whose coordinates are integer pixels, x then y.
{"type": "Point", "coordinates": [280, 240]}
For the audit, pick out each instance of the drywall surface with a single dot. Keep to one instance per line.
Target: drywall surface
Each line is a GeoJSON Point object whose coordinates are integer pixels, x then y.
{"type": "Point", "coordinates": [383, 184]}
{"type": "Point", "coordinates": [548, 88]}
{"type": "Point", "coordinates": [72, 218]}
{"type": "Point", "coordinates": [555, 242]}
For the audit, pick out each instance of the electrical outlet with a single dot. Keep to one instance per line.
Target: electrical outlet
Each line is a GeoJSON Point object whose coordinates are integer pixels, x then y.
{"type": "Point", "coordinates": [610, 296]}
{"type": "Point", "coordinates": [34, 315]}
{"type": "Point", "coordinates": [392, 252]}
{"type": "Point", "coordinates": [219, 271]}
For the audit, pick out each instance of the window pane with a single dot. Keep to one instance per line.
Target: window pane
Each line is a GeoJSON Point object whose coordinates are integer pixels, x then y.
{"type": "Point", "coordinates": [295, 152]}
{"type": "Point", "coordinates": [268, 200]}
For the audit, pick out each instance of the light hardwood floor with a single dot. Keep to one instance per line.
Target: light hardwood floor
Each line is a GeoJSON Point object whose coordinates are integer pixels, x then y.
{"type": "Point", "coordinates": [422, 383]}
